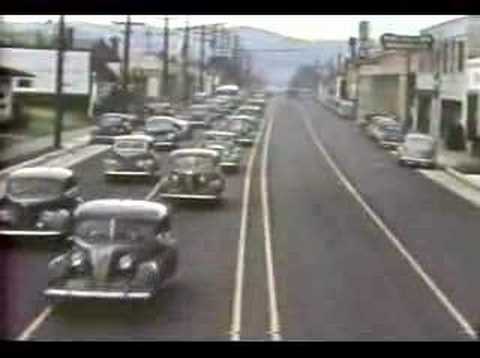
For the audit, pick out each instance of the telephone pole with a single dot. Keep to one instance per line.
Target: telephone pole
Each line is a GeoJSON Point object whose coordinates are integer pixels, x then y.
{"type": "Point", "coordinates": [202, 57]}
{"type": "Point", "coordinates": [59, 83]}
{"type": "Point", "coordinates": [166, 35]}
{"type": "Point", "coordinates": [186, 45]}
{"type": "Point", "coordinates": [126, 49]}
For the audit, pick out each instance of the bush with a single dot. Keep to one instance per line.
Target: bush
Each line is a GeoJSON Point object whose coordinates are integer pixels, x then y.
{"type": "Point", "coordinates": [455, 137]}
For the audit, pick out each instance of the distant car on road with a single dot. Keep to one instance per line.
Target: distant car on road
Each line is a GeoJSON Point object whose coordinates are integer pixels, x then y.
{"type": "Point", "coordinates": [257, 102]}
{"type": "Point", "coordinates": [181, 122]}
{"type": "Point", "coordinates": [121, 250]}
{"type": "Point", "coordinates": [165, 133]}
{"type": "Point", "coordinates": [418, 150]}
{"type": "Point", "coordinates": [248, 110]}
{"type": "Point", "coordinates": [39, 202]}
{"type": "Point", "coordinates": [108, 127]}
{"type": "Point", "coordinates": [193, 173]}
{"type": "Point", "coordinates": [132, 155]}
{"type": "Point", "coordinates": [245, 127]}
{"type": "Point", "coordinates": [376, 122]}
{"type": "Point", "coordinates": [200, 115]}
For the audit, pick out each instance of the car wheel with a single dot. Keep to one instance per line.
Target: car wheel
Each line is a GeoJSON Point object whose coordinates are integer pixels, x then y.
{"type": "Point", "coordinates": [401, 163]}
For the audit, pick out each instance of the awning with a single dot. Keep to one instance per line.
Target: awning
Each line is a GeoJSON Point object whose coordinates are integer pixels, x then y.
{"type": "Point", "coordinates": [12, 72]}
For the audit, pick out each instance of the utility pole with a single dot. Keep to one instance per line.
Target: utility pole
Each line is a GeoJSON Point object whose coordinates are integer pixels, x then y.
{"type": "Point", "coordinates": [59, 83]}
{"type": "Point", "coordinates": [186, 44]}
{"type": "Point", "coordinates": [165, 72]}
{"type": "Point", "coordinates": [126, 49]}
{"type": "Point", "coordinates": [202, 57]}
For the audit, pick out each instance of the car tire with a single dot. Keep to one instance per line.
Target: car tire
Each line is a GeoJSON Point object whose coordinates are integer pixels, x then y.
{"type": "Point", "coordinates": [401, 163]}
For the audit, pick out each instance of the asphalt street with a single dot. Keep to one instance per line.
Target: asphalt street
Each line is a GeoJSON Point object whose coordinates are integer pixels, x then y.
{"type": "Point", "coordinates": [336, 274]}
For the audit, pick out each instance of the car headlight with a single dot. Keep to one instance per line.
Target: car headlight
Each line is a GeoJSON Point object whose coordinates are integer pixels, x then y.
{"type": "Point", "coordinates": [145, 163]}
{"type": "Point", "coordinates": [174, 178]}
{"type": "Point", "coordinates": [110, 162]}
{"type": "Point", "coordinates": [202, 179]}
{"type": "Point", "coordinates": [6, 215]}
{"type": "Point", "coordinates": [125, 263]}
{"type": "Point", "coordinates": [171, 136]}
{"type": "Point", "coordinates": [77, 259]}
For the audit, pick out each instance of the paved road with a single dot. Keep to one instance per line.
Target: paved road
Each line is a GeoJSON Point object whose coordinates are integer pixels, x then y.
{"type": "Point", "coordinates": [336, 275]}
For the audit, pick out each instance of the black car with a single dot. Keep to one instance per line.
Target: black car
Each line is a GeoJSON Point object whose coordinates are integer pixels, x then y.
{"type": "Point", "coordinates": [193, 173]}
{"type": "Point", "coordinates": [108, 127]}
{"type": "Point", "coordinates": [121, 249]}
{"type": "Point", "coordinates": [132, 156]}
{"type": "Point", "coordinates": [165, 134]}
{"type": "Point", "coordinates": [180, 121]}
{"type": "Point", "coordinates": [39, 202]}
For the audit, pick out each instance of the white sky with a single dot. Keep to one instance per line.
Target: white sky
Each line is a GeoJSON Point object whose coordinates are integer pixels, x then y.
{"type": "Point", "coordinates": [310, 27]}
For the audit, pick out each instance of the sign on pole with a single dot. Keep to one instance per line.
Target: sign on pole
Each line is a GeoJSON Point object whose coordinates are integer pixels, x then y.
{"type": "Point", "coordinates": [405, 42]}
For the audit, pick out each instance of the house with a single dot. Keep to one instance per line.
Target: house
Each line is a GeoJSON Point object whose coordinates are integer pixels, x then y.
{"type": "Point", "coordinates": [448, 85]}
{"type": "Point", "coordinates": [7, 102]}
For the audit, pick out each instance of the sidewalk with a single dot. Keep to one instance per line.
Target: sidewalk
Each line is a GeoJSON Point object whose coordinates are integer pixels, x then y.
{"type": "Point", "coordinates": [15, 150]}
{"type": "Point", "coordinates": [461, 165]}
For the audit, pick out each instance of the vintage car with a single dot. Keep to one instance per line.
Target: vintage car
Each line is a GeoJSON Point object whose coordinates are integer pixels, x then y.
{"type": "Point", "coordinates": [181, 122]}
{"type": "Point", "coordinates": [248, 110]}
{"type": "Point", "coordinates": [199, 97]}
{"type": "Point", "coordinates": [418, 150]}
{"type": "Point", "coordinates": [159, 109]}
{"type": "Point", "coordinates": [224, 143]}
{"type": "Point", "coordinates": [165, 133]}
{"type": "Point", "coordinates": [193, 173]}
{"type": "Point", "coordinates": [245, 127]}
{"type": "Point", "coordinates": [388, 135]}
{"type": "Point", "coordinates": [132, 155]}
{"type": "Point", "coordinates": [39, 202]}
{"type": "Point", "coordinates": [376, 122]}
{"type": "Point", "coordinates": [133, 119]}
{"type": "Point", "coordinates": [109, 126]}
{"type": "Point", "coordinates": [257, 102]}
{"type": "Point", "coordinates": [200, 115]}
{"type": "Point", "coordinates": [121, 249]}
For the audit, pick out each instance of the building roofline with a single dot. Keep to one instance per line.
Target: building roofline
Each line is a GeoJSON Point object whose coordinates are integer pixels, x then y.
{"type": "Point", "coordinates": [445, 23]}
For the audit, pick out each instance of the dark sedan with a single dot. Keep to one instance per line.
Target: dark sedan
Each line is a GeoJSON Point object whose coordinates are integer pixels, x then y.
{"type": "Point", "coordinates": [39, 202]}
{"type": "Point", "coordinates": [165, 133]}
{"type": "Point", "coordinates": [122, 249]}
{"type": "Point", "coordinates": [108, 127]}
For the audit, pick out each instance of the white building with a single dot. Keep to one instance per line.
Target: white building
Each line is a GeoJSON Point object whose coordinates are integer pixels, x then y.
{"type": "Point", "coordinates": [448, 80]}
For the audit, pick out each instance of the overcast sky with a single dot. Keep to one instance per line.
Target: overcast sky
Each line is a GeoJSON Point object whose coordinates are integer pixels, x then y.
{"type": "Point", "coordinates": [310, 27]}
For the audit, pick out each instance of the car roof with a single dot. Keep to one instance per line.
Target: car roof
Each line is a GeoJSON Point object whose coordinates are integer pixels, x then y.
{"type": "Point", "coordinates": [122, 208]}
{"type": "Point", "coordinates": [194, 151]}
{"type": "Point", "coordinates": [249, 107]}
{"type": "Point", "coordinates": [118, 114]}
{"type": "Point", "coordinates": [43, 172]}
{"type": "Point", "coordinates": [243, 117]}
{"type": "Point", "coordinates": [139, 137]}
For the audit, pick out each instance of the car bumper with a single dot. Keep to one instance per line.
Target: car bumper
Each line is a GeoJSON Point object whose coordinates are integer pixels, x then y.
{"type": "Point", "coordinates": [163, 145]}
{"type": "Point", "coordinates": [245, 140]}
{"type": "Point", "coordinates": [190, 196]}
{"type": "Point", "coordinates": [102, 294]}
{"type": "Point", "coordinates": [418, 161]}
{"type": "Point", "coordinates": [102, 139]}
{"type": "Point", "coordinates": [229, 164]}
{"type": "Point", "coordinates": [389, 144]}
{"type": "Point", "coordinates": [42, 233]}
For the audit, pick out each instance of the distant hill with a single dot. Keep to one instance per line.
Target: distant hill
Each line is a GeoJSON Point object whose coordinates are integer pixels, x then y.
{"type": "Point", "coordinates": [276, 67]}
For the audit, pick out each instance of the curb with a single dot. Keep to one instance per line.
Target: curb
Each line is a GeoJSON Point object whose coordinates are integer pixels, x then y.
{"type": "Point", "coordinates": [50, 155]}
{"type": "Point", "coordinates": [461, 177]}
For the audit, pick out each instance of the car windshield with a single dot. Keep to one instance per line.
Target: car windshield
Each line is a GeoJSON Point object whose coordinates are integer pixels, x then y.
{"type": "Point", "coordinates": [109, 229]}
{"type": "Point", "coordinates": [131, 145]}
{"type": "Point", "coordinates": [159, 125]}
{"type": "Point", "coordinates": [34, 188]}
{"type": "Point", "coordinates": [392, 129]}
{"type": "Point", "coordinates": [110, 121]}
{"type": "Point", "coordinates": [192, 162]}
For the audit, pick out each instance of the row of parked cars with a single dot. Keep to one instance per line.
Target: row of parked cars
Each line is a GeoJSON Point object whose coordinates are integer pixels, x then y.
{"type": "Point", "coordinates": [412, 149]}
{"type": "Point", "coordinates": [123, 249]}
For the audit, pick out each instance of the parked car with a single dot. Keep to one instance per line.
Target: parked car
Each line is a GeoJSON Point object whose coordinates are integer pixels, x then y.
{"type": "Point", "coordinates": [245, 127]}
{"type": "Point", "coordinates": [346, 109]}
{"type": "Point", "coordinates": [132, 155]}
{"type": "Point", "coordinates": [121, 249]}
{"type": "Point", "coordinates": [165, 133]}
{"type": "Point", "coordinates": [389, 135]}
{"type": "Point", "coordinates": [257, 102]}
{"type": "Point", "coordinates": [39, 202]}
{"type": "Point", "coordinates": [418, 150]}
{"type": "Point", "coordinates": [193, 173]}
{"type": "Point", "coordinates": [181, 122]}
{"type": "Point", "coordinates": [108, 127]}
{"type": "Point", "coordinates": [224, 143]}
{"type": "Point", "coordinates": [377, 121]}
